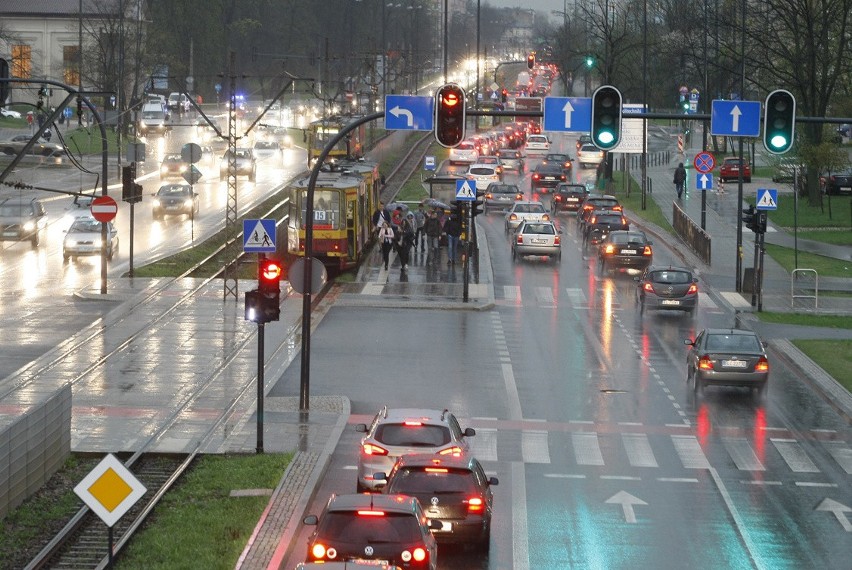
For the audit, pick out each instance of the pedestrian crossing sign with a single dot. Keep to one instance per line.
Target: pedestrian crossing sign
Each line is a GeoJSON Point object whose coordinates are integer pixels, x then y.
{"type": "Point", "coordinates": [767, 199]}
{"type": "Point", "coordinates": [466, 190]}
{"type": "Point", "coordinates": [258, 236]}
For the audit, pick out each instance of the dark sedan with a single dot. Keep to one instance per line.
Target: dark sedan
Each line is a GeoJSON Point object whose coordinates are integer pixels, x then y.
{"type": "Point", "coordinates": [175, 199]}
{"type": "Point", "coordinates": [625, 250]}
{"type": "Point", "coordinates": [546, 176]}
{"type": "Point", "coordinates": [673, 288]}
{"type": "Point", "coordinates": [837, 183]}
{"type": "Point", "coordinates": [567, 197]}
{"type": "Point", "coordinates": [563, 159]}
{"type": "Point", "coordinates": [600, 224]}
{"type": "Point", "coordinates": [727, 357]}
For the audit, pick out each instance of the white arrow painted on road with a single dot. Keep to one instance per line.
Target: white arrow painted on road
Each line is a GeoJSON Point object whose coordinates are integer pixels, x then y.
{"type": "Point", "coordinates": [409, 116]}
{"type": "Point", "coordinates": [626, 500]}
{"type": "Point", "coordinates": [703, 180]}
{"type": "Point", "coordinates": [735, 118]}
{"type": "Point", "coordinates": [839, 510]}
{"type": "Point", "coordinates": [568, 110]}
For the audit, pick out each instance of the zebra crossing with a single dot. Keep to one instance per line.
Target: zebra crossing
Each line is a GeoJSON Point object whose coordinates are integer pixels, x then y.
{"type": "Point", "coordinates": [550, 297]}
{"type": "Point", "coordinates": [652, 451]}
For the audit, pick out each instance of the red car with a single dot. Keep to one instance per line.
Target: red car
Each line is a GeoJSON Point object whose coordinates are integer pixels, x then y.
{"type": "Point", "coordinates": [730, 170]}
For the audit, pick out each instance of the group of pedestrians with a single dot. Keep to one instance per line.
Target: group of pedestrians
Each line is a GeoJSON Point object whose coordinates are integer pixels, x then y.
{"type": "Point", "coordinates": [421, 229]}
{"type": "Point", "coordinates": [395, 231]}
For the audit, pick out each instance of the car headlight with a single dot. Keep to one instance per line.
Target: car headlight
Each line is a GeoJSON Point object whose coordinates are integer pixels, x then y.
{"type": "Point", "coordinates": [156, 203]}
{"type": "Point", "coordinates": [188, 203]}
{"type": "Point", "coordinates": [164, 169]}
{"type": "Point", "coordinates": [29, 226]}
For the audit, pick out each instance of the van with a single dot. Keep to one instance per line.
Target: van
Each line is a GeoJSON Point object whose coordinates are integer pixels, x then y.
{"type": "Point", "coordinates": [153, 119]}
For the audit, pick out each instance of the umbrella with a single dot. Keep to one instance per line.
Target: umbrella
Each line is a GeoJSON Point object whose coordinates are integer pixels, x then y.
{"type": "Point", "coordinates": [434, 203]}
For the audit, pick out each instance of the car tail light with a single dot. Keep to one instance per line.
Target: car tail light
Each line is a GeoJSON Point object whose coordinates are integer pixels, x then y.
{"type": "Point", "coordinates": [693, 289]}
{"type": "Point", "coordinates": [562, 178]}
{"type": "Point", "coordinates": [762, 365]}
{"type": "Point", "coordinates": [454, 450]}
{"type": "Point", "coordinates": [488, 196]}
{"type": "Point", "coordinates": [609, 249]}
{"type": "Point", "coordinates": [536, 176]}
{"type": "Point", "coordinates": [557, 198]}
{"type": "Point", "coordinates": [520, 239]}
{"type": "Point", "coordinates": [519, 197]}
{"type": "Point", "coordinates": [419, 554]}
{"type": "Point", "coordinates": [513, 217]}
{"type": "Point", "coordinates": [475, 504]}
{"type": "Point", "coordinates": [647, 250]}
{"type": "Point", "coordinates": [623, 221]}
{"type": "Point", "coordinates": [412, 423]}
{"type": "Point", "coordinates": [371, 449]}
{"type": "Point", "coordinates": [318, 551]}
{"type": "Point", "coordinates": [437, 470]}
{"type": "Point", "coordinates": [593, 220]}
{"type": "Point", "coordinates": [367, 513]}
{"type": "Point", "coordinates": [704, 363]}
{"type": "Point", "coordinates": [648, 287]}
{"type": "Point", "coordinates": [556, 240]}
{"type": "Point", "coordinates": [617, 209]}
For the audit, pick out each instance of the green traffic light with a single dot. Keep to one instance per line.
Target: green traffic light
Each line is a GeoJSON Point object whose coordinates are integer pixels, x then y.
{"type": "Point", "coordinates": [778, 141]}
{"type": "Point", "coordinates": [605, 138]}
{"type": "Point", "coordinates": [589, 62]}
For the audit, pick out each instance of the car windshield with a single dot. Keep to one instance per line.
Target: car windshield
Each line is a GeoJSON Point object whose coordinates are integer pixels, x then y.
{"type": "Point", "coordinates": [432, 481]}
{"type": "Point", "coordinates": [14, 210]}
{"type": "Point", "coordinates": [733, 342]}
{"type": "Point", "coordinates": [673, 277]}
{"type": "Point", "coordinates": [413, 435]}
{"type": "Point", "coordinates": [589, 148]}
{"type": "Point", "coordinates": [351, 527]}
{"type": "Point", "coordinates": [176, 190]}
{"type": "Point", "coordinates": [545, 229]}
{"type": "Point", "coordinates": [85, 225]}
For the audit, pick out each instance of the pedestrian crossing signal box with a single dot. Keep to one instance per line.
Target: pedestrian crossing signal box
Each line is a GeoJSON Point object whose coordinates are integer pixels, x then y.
{"type": "Point", "coordinates": [263, 305]}
{"type": "Point", "coordinates": [450, 115]}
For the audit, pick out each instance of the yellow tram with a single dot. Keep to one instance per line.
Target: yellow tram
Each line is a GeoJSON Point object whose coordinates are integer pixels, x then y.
{"type": "Point", "coordinates": [320, 132]}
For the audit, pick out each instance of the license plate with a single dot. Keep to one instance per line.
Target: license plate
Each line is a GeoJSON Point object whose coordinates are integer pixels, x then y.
{"type": "Point", "coordinates": [539, 241]}
{"type": "Point", "coordinates": [573, 199]}
{"type": "Point", "coordinates": [734, 363]}
{"type": "Point", "coordinates": [445, 527]}
{"type": "Point", "coordinates": [370, 561]}
{"type": "Point", "coordinates": [550, 178]}
{"type": "Point", "coordinates": [10, 234]}
{"type": "Point", "coordinates": [670, 302]}
{"type": "Point", "coordinates": [628, 251]}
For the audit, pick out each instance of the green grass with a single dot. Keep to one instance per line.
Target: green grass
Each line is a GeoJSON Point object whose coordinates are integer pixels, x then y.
{"type": "Point", "coordinates": [633, 202]}
{"type": "Point", "coordinates": [833, 356]}
{"type": "Point", "coordinates": [825, 266]}
{"type": "Point", "coordinates": [814, 217]}
{"type": "Point", "coordinates": [807, 319]}
{"type": "Point", "coordinates": [199, 525]}
{"type": "Point", "coordinates": [841, 237]}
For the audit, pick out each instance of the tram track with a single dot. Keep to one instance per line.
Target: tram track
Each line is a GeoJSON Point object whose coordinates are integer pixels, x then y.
{"type": "Point", "coordinates": [405, 168]}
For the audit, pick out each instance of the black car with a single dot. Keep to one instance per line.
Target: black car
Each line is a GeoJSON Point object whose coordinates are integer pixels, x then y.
{"type": "Point", "coordinates": [175, 199]}
{"type": "Point", "coordinates": [727, 357]}
{"type": "Point", "coordinates": [454, 490]}
{"type": "Point", "coordinates": [593, 203]}
{"type": "Point", "coordinates": [368, 526]}
{"type": "Point", "coordinates": [624, 250]}
{"type": "Point", "coordinates": [600, 224]}
{"type": "Point", "coordinates": [546, 176]}
{"type": "Point", "coordinates": [837, 183]}
{"type": "Point", "coordinates": [667, 287]}
{"type": "Point", "coordinates": [565, 160]}
{"type": "Point", "coordinates": [567, 197]}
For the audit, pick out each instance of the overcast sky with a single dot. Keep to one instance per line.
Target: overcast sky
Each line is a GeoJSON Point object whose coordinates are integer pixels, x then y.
{"type": "Point", "coordinates": [545, 6]}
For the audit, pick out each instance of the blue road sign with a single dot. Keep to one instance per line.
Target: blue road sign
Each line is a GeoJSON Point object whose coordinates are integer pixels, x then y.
{"type": "Point", "coordinates": [429, 163]}
{"type": "Point", "coordinates": [767, 199]}
{"type": "Point", "coordinates": [704, 181]}
{"type": "Point", "coordinates": [409, 113]}
{"type": "Point", "coordinates": [258, 236]}
{"type": "Point", "coordinates": [465, 190]}
{"type": "Point", "coordinates": [568, 114]}
{"type": "Point", "coordinates": [735, 118]}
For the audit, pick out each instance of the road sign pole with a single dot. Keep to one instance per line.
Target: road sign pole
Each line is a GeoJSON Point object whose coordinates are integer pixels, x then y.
{"type": "Point", "coordinates": [739, 268]}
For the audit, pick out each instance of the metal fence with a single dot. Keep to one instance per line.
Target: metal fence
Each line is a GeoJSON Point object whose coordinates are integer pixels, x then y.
{"type": "Point", "coordinates": [691, 233]}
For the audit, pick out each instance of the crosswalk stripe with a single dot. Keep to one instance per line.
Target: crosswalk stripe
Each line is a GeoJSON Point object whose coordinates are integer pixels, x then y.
{"type": "Point", "coordinates": [743, 455]}
{"type": "Point", "coordinates": [794, 455]}
{"type": "Point", "coordinates": [587, 449]}
{"type": "Point", "coordinates": [512, 292]}
{"type": "Point", "coordinates": [689, 451]}
{"type": "Point", "coordinates": [638, 450]}
{"type": "Point", "coordinates": [534, 446]}
{"type": "Point", "coordinates": [576, 296]}
{"type": "Point", "coordinates": [544, 296]}
{"type": "Point", "coordinates": [484, 444]}
{"type": "Point", "coordinates": [841, 453]}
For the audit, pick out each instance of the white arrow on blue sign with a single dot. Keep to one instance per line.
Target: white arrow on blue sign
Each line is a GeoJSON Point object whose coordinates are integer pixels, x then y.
{"type": "Point", "coordinates": [409, 113]}
{"type": "Point", "coordinates": [258, 236]}
{"type": "Point", "coordinates": [735, 118]}
{"type": "Point", "coordinates": [568, 114]}
{"type": "Point", "coordinates": [704, 181]}
{"type": "Point", "coordinates": [767, 199]}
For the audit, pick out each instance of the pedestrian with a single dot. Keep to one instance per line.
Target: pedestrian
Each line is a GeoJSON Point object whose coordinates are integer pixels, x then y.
{"type": "Point", "coordinates": [679, 179]}
{"type": "Point", "coordinates": [404, 241]}
{"type": "Point", "coordinates": [453, 229]}
{"type": "Point", "coordinates": [387, 235]}
{"type": "Point", "coordinates": [380, 216]}
{"type": "Point", "coordinates": [433, 231]}
{"type": "Point", "coordinates": [396, 216]}
{"type": "Point", "coordinates": [419, 224]}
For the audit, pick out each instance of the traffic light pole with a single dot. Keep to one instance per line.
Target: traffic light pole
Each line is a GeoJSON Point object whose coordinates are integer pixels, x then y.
{"type": "Point", "coordinates": [260, 384]}
{"type": "Point", "coordinates": [739, 265]}
{"type": "Point", "coordinates": [467, 223]}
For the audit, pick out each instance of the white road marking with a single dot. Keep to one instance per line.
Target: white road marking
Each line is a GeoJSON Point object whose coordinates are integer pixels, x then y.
{"type": "Point", "coordinates": [689, 451]}
{"type": "Point", "coordinates": [564, 475]}
{"type": "Point", "coordinates": [512, 393]}
{"type": "Point", "coordinates": [677, 480]}
{"type": "Point", "coordinates": [587, 449]}
{"type": "Point", "coordinates": [794, 455]}
{"type": "Point", "coordinates": [738, 522]}
{"type": "Point", "coordinates": [841, 453]}
{"type": "Point", "coordinates": [520, 541]}
{"type": "Point", "coordinates": [511, 292]}
{"type": "Point", "coordinates": [484, 445]}
{"type": "Point", "coordinates": [576, 296]}
{"type": "Point", "coordinates": [638, 449]}
{"type": "Point", "coordinates": [544, 296]}
{"type": "Point", "coordinates": [743, 455]}
{"type": "Point", "coordinates": [534, 447]}
{"type": "Point", "coordinates": [814, 484]}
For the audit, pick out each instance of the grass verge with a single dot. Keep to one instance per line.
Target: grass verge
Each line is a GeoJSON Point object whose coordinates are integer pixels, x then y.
{"type": "Point", "coordinates": [199, 525]}
{"type": "Point", "coordinates": [825, 266]}
{"type": "Point", "coordinates": [805, 319]}
{"type": "Point", "coordinates": [833, 356]}
{"type": "Point", "coordinates": [632, 201]}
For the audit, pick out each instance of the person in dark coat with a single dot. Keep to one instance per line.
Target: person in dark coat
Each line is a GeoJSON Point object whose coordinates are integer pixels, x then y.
{"type": "Point", "coordinates": [453, 229]}
{"type": "Point", "coordinates": [387, 237]}
{"type": "Point", "coordinates": [679, 179]}
{"type": "Point", "coordinates": [381, 216]}
{"type": "Point", "coordinates": [404, 242]}
{"type": "Point", "coordinates": [433, 230]}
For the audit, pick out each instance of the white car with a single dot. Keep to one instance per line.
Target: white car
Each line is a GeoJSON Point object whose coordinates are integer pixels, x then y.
{"type": "Point", "coordinates": [483, 174]}
{"type": "Point", "coordinates": [464, 153]}
{"type": "Point", "coordinates": [525, 211]}
{"type": "Point", "coordinates": [84, 238]}
{"type": "Point", "coordinates": [4, 112]}
{"type": "Point", "coordinates": [537, 144]}
{"type": "Point", "coordinates": [589, 154]}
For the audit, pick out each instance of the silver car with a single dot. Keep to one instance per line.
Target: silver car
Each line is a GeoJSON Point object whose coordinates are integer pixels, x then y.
{"type": "Point", "coordinates": [537, 238]}
{"type": "Point", "coordinates": [525, 211]}
{"type": "Point", "coordinates": [84, 238]}
{"type": "Point", "coordinates": [727, 357]}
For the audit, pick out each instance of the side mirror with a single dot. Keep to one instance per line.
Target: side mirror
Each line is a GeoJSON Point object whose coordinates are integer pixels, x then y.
{"type": "Point", "coordinates": [689, 342]}
{"type": "Point", "coordinates": [435, 524]}
{"type": "Point", "coordinates": [310, 520]}
{"type": "Point", "coordinates": [469, 432]}
{"type": "Point", "coordinates": [493, 481]}
{"type": "Point", "coordinates": [380, 476]}
{"type": "Point", "coordinates": [362, 428]}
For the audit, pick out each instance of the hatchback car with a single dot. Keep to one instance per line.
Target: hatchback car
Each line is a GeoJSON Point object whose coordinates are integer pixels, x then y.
{"type": "Point", "coordinates": [84, 238]}
{"type": "Point", "coordinates": [624, 250]}
{"type": "Point", "coordinates": [565, 160]}
{"type": "Point", "coordinates": [589, 155]}
{"type": "Point", "coordinates": [600, 224]}
{"type": "Point", "coordinates": [730, 170]}
{"type": "Point", "coordinates": [499, 196]}
{"type": "Point", "coordinates": [837, 183]}
{"type": "Point", "coordinates": [727, 357]}
{"type": "Point", "coordinates": [567, 197]}
{"type": "Point", "coordinates": [537, 238]}
{"type": "Point", "coordinates": [585, 138]}
{"type": "Point", "coordinates": [673, 288]}
{"type": "Point", "coordinates": [245, 160]}
{"type": "Point", "coordinates": [395, 432]}
{"type": "Point", "coordinates": [525, 210]}
{"type": "Point", "coordinates": [483, 175]}
{"type": "Point", "coordinates": [453, 491]}
{"type": "Point", "coordinates": [267, 148]}
{"type": "Point", "coordinates": [546, 176]}
{"type": "Point", "coordinates": [22, 220]}
{"type": "Point", "coordinates": [173, 166]}
{"type": "Point", "coordinates": [593, 203]}
{"type": "Point", "coordinates": [175, 200]}
{"type": "Point", "coordinates": [464, 153]}
{"type": "Point", "coordinates": [511, 160]}
{"type": "Point", "coordinates": [387, 528]}
{"type": "Point", "coordinates": [537, 144]}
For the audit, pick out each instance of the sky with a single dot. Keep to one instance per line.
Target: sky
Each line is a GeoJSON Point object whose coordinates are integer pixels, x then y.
{"type": "Point", "coordinates": [538, 5]}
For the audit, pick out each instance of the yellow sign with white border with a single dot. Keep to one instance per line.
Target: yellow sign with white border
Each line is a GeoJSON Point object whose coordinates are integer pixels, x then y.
{"type": "Point", "coordinates": [110, 489]}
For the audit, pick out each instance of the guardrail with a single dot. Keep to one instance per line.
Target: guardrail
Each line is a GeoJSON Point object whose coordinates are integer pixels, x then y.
{"type": "Point", "coordinates": [697, 239]}
{"type": "Point", "coordinates": [804, 284]}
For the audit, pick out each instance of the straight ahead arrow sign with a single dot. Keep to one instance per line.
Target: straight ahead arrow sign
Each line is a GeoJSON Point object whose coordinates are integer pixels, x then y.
{"type": "Point", "coordinates": [839, 510]}
{"type": "Point", "coordinates": [568, 108]}
{"type": "Point", "coordinates": [626, 500]}
{"type": "Point", "coordinates": [735, 119]}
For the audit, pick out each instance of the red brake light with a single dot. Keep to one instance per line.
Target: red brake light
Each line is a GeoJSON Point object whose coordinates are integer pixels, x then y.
{"type": "Point", "coordinates": [475, 504]}
{"type": "Point", "coordinates": [370, 449]}
{"type": "Point", "coordinates": [562, 177]}
{"type": "Point", "coordinates": [412, 423]}
{"type": "Point", "coordinates": [455, 450]}
{"type": "Point", "coordinates": [436, 470]}
{"type": "Point", "coordinates": [704, 363]}
{"type": "Point", "coordinates": [609, 249]}
{"type": "Point", "coordinates": [536, 176]}
{"type": "Point", "coordinates": [693, 289]}
{"type": "Point", "coordinates": [623, 221]}
{"type": "Point", "coordinates": [556, 240]}
{"type": "Point", "coordinates": [762, 365]}
{"type": "Point", "coordinates": [557, 198]}
{"type": "Point", "coordinates": [419, 554]}
{"type": "Point", "coordinates": [648, 287]}
{"type": "Point", "coordinates": [647, 250]}
{"type": "Point", "coordinates": [519, 197]}
{"type": "Point", "coordinates": [318, 551]}
{"type": "Point", "coordinates": [371, 513]}
{"type": "Point", "coordinates": [520, 239]}
{"type": "Point", "coordinates": [617, 208]}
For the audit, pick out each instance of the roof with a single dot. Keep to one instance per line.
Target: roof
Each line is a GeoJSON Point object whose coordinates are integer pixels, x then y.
{"type": "Point", "coordinates": [396, 503]}
{"type": "Point", "coordinates": [460, 461]}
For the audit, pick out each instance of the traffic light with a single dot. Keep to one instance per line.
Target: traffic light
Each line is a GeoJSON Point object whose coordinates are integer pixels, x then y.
{"type": "Point", "coordinates": [269, 288]}
{"type": "Point", "coordinates": [779, 121]}
{"type": "Point", "coordinates": [449, 115]}
{"type": "Point", "coordinates": [750, 218]}
{"type": "Point", "coordinates": [590, 62]}
{"type": "Point", "coordinates": [531, 60]}
{"type": "Point", "coordinates": [476, 205]}
{"type": "Point", "coordinates": [761, 222]}
{"type": "Point", "coordinates": [504, 96]}
{"type": "Point", "coordinates": [130, 191]}
{"type": "Point", "coordinates": [606, 117]}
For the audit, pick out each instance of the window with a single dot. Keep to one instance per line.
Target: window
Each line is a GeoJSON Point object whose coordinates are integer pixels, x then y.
{"type": "Point", "coordinates": [413, 436]}
{"type": "Point", "coordinates": [326, 209]}
{"type": "Point", "coordinates": [71, 65]}
{"type": "Point", "coordinates": [389, 527]}
{"type": "Point", "coordinates": [22, 61]}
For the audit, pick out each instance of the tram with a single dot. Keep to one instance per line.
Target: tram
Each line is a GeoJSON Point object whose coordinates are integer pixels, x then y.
{"type": "Point", "coordinates": [320, 132]}
{"type": "Point", "coordinates": [344, 199]}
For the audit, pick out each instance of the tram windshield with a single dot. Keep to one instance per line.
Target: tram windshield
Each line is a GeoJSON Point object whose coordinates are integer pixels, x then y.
{"type": "Point", "coordinates": [326, 209]}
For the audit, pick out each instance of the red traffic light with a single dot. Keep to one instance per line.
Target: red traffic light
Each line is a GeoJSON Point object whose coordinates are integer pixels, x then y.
{"type": "Point", "coordinates": [269, 271]}
{"type": "Point", "coordinates": [450, 115]}
{"type": "Point", "coordinates": [531, 60]}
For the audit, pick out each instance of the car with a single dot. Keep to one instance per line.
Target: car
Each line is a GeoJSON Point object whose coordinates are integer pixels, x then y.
{"type": "Point", "coordinates": [786, 169]}
{"type": "Point", "coordinates": [484, 145]}
{"type": "Point", "coordinates": [837, 183]}
{"type": "Point", "coordinates": [594, 203]}
{"type": "Point", "coordinates": [565, 160]}
{"type": "Point", "coordinates": [245, 161]}
{"type": "Point", "coordinates": [41, 147]}
{"type": "Point", "coordinates": [454, 491]}
{"type": "Point", "coordinates": [498, 196]}
{"type": "Point", "coordinates": [730, 169]}
{"type": "Point", "coordinates": [546, 176]}
{"type": "Point", "coordinates": [483, 175]}
{"type": "Point", "coordinates": [266, 148]}
{"type": "Point", "coordinates": [537, 144]}
{"type": "Point", "coordinates": [667, 287]}
{"type": "Point", "coordinates": [589, 155]}
{"type": "Point", "coordinates": [512, 160]}
{"type": "Point", "coordinates": [397, 431]}
{"type": "Point", "coordinates": [583, 139]}
{"type": "Point", "coordinates": [464, 153]}
{"type": "Point", "coordinates": [567, 197]}
{"type": "Point", "coordinates": [173, 166]}
{"type": "Point", "coordinates": [22, 220]}
{"type": "Point", "coordinates": [625, 250]}
{"type": "Point", "coordinates": [600, 224]}
{"type": "Point", "coordinates": [525, 210]}
{"type": "Point", "coordinates": [362, 565]}
{"type": "Point", "coordinates": [363, 527]}
{"type": "Point", "coordinates": [84, 238]}
{"type": "Point", "coordinates": [9, 113]}
{"type": "Point", "coordinates": [492, 160]}
{"type": "Point", "coordinates": [175, 200]}
{"type": "Point", "coordinates": [727, 357]}
{"type": "Point", "coordinates": [537, 238]}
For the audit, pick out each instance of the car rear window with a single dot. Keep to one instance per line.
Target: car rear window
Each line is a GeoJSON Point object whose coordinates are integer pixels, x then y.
{"type": "Point", "coordinates": [435, 480]}
{"type": "Point", "coordinates": [627, 238]}
{"type": "Point", "coordinates": [413, 435]}
{"type": "Point", "coordinates": [736, 342]}
{"type": "Point", "coordinates": [673, 277]}
{"type": "Point", "coordinates": [529, 209]}
{"type": "Point", "coordinates": [505, 190]}
{"type": "Point", "coordinates": [604, 203]}
{"type": "Point", "coordinates": [607, 219]}
{"type": "Point", "coordinates": [482, 171]}
{"type": "Point", "coordinates": [539, 229]}
{"type": "Point", "coordinates": [350, 527]}
{"type": "Point", "coordinates": [465, 146]}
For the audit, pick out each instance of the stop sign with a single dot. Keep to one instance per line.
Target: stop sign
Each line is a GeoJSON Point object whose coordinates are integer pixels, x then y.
{"type": "Point", "coordinates": [104, 209]}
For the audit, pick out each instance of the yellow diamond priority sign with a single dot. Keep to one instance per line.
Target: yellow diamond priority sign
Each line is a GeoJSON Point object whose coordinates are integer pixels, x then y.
{"type": "Point", "coordinates": [110, 489]}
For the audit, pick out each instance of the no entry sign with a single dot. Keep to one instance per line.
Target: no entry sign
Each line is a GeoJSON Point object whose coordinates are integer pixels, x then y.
{"type": "Point", "coordinates": [104, 209]}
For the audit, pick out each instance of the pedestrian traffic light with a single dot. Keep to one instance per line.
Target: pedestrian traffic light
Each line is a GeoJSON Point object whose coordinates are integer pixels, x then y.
{"type": "Point", "coordinates": [761, 222]}
{"type": "Point", "coordinates": [476, 205]}
{"type": "Point", "coordinates": [779, 121]}
{"type": "Point", "coordinates": [749, 218]}
{"type": "Point", "coordinates": [531, 60]}
{"type": "Point", "coordinates": [606, 117]}
{"type": "Point", "coordinates": [269, 288]}
{"type": "Point", "coordinates": [449, 115]}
